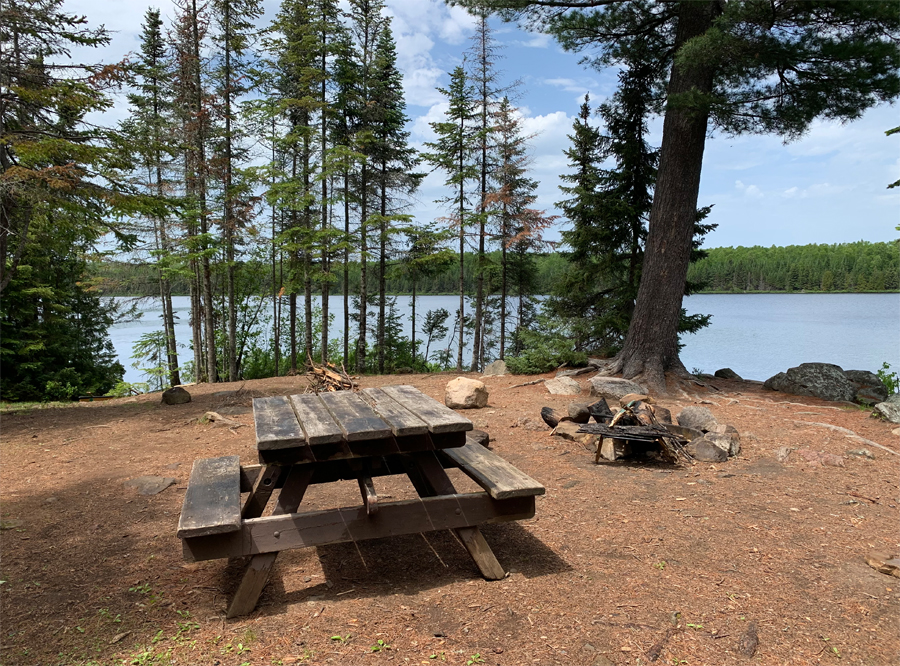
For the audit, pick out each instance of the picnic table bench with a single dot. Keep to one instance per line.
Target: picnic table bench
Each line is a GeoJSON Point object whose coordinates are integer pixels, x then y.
{"type": "Point", "coordinates": [308, 439]}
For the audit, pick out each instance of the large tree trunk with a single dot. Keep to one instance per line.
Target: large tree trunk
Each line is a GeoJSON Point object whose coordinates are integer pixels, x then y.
{"type": "Point", "coordinates": [651, 346]}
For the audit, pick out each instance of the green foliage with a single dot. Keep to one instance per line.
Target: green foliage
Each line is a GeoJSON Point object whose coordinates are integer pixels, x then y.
{"type": "Point", "coordinates": [545, 347]}
{"type": "Point", "coordinates": [850, 267]}
{"type": "Point", "coordinates": [890, 378]}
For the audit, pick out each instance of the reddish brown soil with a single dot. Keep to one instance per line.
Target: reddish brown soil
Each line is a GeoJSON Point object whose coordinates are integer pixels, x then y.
{"type": "Point", "coordinates": [93, 572]}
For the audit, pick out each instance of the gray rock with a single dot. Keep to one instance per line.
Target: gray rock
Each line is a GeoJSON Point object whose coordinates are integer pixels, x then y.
{"type": "Point", "coordinates": [818, 380]}
{"type": "Point", "coordinates": [496, 369]}
{"type": "Point", "coordinates": [698, 418]}
{"type": "Point", "coordinates": [705, 450]}
{"type": "Point", "coordinates": [175, 396]}
{"type": "Point", "coordinates": [480, 436]}
{"type": "Point", "coordinates": [465, 393]}
{"type": "Point", "coordinates": [783, 453]}
{"type": "Point", "coordinates": [579, 412]}
{"type": "Point", "coordinates": [568, 430]}
{"type": "Point", "coordinates": [662, 414]}
{"type": "Point", "coordinates": [870, 390]}
{"type": "Point", "coordinates": [614, 388]}
{"type": "Point", "coordinates": [862, 453]}
{"type": "Point", "coordinates": [727, 373]}
{"type": "Point", "coordinates": [889, 409]}
{"type": "Point", "coordinates": [563, 386]}
{"type": "Point", "coordinates": [149, 485]}
{"type": "Point", "coordinates": [725, 437]}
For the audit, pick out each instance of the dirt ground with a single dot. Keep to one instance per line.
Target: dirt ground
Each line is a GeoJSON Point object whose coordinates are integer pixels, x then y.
{"type": "Point", "coordinates": [621, 563]}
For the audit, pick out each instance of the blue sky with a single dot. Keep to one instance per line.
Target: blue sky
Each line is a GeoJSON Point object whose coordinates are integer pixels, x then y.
{"type": "Point", "coordinates": [829, 187]}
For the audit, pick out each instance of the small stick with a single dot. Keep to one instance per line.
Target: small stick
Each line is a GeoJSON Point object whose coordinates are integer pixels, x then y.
{"type": "Point", "coordinates": [536, 381]}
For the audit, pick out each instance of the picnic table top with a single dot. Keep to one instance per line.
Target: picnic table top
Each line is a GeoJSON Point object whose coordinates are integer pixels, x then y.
{"type": "Point", "coordinates": [345, 424]}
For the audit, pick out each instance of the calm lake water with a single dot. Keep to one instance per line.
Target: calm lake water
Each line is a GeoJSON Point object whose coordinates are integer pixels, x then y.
{"type": "Point", "coordinates": [756, 335]}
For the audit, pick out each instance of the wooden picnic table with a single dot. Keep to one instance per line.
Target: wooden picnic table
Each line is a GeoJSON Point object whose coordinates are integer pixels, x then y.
{"type": "Point", "coordinates": [343, 435]}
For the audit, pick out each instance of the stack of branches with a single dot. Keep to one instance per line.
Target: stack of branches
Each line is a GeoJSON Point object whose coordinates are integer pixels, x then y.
{"type": "Point", "coordinates": [637, 422]}
{"type": "Point", "coordinates": [328, 377]}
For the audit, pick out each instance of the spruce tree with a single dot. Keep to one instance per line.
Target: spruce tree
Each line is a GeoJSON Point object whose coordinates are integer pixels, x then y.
{"type": "Point", "coordinates": [453, 152]}
{"type": "Point", "coordinates": [151, 133]}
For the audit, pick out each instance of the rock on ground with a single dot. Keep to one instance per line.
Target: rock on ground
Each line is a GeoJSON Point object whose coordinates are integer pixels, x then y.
{"type": "Point", "coordinates": [465, 393]}
{"type": "Point", "coordinates": [870, 389]}
{"type": "Point", "coordinates": [726, 437]}
{"type": "Point", "coordinates": [818, 380]}
{"type": "Point", "coordinates": [496, 369]}
{"type": "Point", "coordinates": [175, 396]}
{"type": "Point", "coordinates": [563, 386]}
{"type": "Point", "coordinates": [890, 408]}
{"type": "Point", "coordinates": [614, 388]}
{"type": "Point", "coordinates": [698, 418]}
{"type": "Point", "coordinates": [479, 437]}
{"type": "Point", "coordinates": [149, 485]}
{"type": "Point", "coordinates": [579, 412]}
{"type": "Point", "coordinates": [704, 450]}
{"type": "Point", "coordinates": [727, 373]}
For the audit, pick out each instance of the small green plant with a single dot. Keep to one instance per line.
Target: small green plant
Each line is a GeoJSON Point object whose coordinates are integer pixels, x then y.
{"type": "Point", "coordinates": [474, 659]}
{"type": "Point", "coordinates": [379, 646]}
{"type": "Point", "coordinates": [693, 626]}
{"type": "Point", "coordinates": [661, 565]}
{"type": "Point", "coordinates": [890, 379]}
{"type": "Point", "coordinates": [106, 615]}
{"type": "Point", "coordinates": [340, 639]}
{"type": "Point", "coordinates": [143, 588]}
{"type": "Point", "coordinates": [438, 655]}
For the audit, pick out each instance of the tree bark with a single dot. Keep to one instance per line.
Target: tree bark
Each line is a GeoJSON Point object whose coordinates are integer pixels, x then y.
{"type": "Point", "coordinates": [651, 346]}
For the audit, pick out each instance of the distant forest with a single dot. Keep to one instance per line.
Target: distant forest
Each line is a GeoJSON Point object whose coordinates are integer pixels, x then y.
{"type": "Point", "coordinates": [848, 267]}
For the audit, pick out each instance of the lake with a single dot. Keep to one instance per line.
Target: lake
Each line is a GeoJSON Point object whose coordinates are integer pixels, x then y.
{"type": "Point", "coordinates": [756, 335]}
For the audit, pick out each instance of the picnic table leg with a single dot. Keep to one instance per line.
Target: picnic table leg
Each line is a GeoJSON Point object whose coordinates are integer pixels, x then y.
{"type": "Point", "coordinates": [257, 572]}
{"type": "Point", "coordinates": [429, 479]}
{"type": "Point", "coordinates": [262, 491]}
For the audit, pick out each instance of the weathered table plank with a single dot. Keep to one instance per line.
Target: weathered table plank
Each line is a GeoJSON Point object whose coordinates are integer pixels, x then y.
{"type": "Point", "coordinates": [492, 472]}
{"type": "Point", "coordinates": [271, 534]}
{"type": "Point", "coordinates": [276, 424]}
{"type": "Point", "coordinates": [440, 418]}
{"type": "Point", "coordinates": [402, 421]}
{"type": "Point", "coordinates": [212, 502]}
{"type": "Point", "coordinates": [316, 421]}
{"type": "Point", "coordinates": [355, 418]}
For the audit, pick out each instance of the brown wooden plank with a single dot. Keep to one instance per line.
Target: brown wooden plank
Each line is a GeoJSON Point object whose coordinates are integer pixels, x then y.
{"type": "Point", "coordinates": [271, 534]}
{"type": "Point", "coordinates": [276, 424]}
{"type": "Point", "coordinates": [257, 572]}
{"type": "Point", "coordinates": [448, 440]}
{"type": "Point", "coordinates": [403, 422]}
{"type": "Point", "coordinates": [370, 498]}
{"type": "Point", "coordinates": [440, 418]}
{"type": "Point", "coordinates": [316, 421]}
{"type": "Point", "coordinates": [492, 472]}
{"type": "Point", "coordinates": [433, 480]}
{"type": "Point", "coordinates": [354, 416]}
{"type": "Point", "coordinates": [264, 485]}
{"type": "Point", "coordinates": [212, 502]}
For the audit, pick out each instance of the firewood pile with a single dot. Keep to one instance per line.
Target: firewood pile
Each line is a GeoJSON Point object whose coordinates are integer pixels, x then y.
{"type": "Point", "coordinates": [636, 431]}
{"type": "Point", "coordinates": [328, 377]}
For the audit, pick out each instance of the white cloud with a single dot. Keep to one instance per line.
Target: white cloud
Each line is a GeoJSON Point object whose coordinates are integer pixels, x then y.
{"type": "Point", "coordinates": [749, 191]}
{"type": "Point", "coordinates": [457, 26]}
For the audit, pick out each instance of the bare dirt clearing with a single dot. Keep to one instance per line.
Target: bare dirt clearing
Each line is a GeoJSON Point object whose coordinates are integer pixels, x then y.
{"type": "Point", "coordinates": [621, 562]}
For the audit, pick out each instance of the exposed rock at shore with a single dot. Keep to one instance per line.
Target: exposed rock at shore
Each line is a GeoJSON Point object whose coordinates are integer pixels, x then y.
{"type": "Point", "coordinates": [889, 409]}
{"type": "Point", "coordinates": [818, 380]}
{"type": "Point", "coordinates": [614, 388]}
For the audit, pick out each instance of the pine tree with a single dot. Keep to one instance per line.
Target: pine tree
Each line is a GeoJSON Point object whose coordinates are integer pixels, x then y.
{"type": "Point", "coordinates": [151, 134]}
{"type": "Point", "coordinates": [518, 226]}
{"type": "Point", "coordinates": [234, 36]}
{"type": "Point", "coordinates": [453, 152]}
{"type": "Point", "coordinates": [393, 161]}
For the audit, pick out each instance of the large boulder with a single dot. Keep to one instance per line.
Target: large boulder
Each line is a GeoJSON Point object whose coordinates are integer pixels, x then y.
{"type": "Point", "coordinates": [614, 388]}
{"type": "Point", "coordinates": [697, 418]}
{"type": "Point", "coordinates": [818, 380]}
{"type": "Point", "coordinates": [869, 387]}
{"type": "Point", "coordinates": [496, 369]}
{"type": "Point", "coordinates": [727, 373]}
{"type": "Point", "coordinates": [890, 408]}
{"type": "Point", "coordinates": [175, 396]}
{"type": "Point", "coordinates": [563, 386]}
{"type": "Point", "coordinates": [465, 393]}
